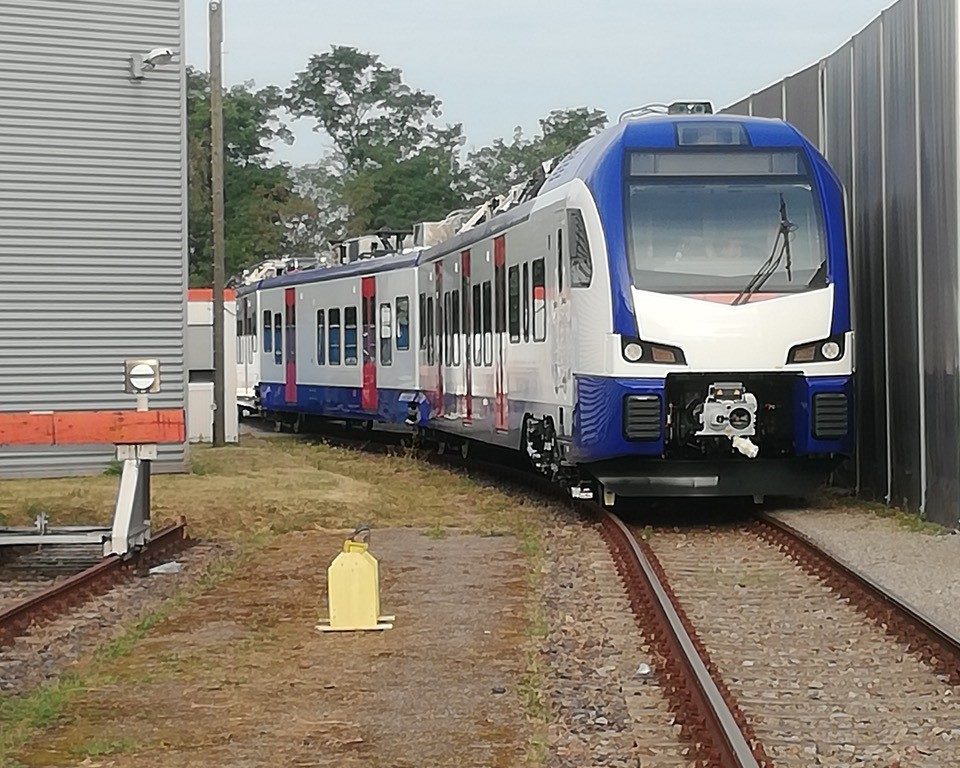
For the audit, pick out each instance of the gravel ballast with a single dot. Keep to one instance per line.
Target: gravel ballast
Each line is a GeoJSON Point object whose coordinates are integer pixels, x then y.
{"type": "Point", "coordinates": [921, 568]}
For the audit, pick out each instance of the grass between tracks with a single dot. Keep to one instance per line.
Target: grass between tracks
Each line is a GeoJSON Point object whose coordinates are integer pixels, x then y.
{"type": "Point", "coordinates": [275, 485]}
{"type": "Point", "coordinates": [250, 494]}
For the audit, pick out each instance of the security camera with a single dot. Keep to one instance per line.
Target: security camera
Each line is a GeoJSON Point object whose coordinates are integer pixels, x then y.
{"type": "Point", "coordinates": [144, 62]}
{"type": "Point", "coordinates": [157, 57]}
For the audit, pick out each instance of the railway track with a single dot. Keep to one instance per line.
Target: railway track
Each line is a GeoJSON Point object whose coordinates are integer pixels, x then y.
{"type": "Point", "coordinates": [44, 583]}
{"type": "Point", "coordinates": [777, 654]}
{"type": "Point", "coordinates": [770, 652]}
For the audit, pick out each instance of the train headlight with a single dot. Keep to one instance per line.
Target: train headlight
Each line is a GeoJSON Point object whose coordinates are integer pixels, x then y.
{"type": "Point", "coordinates": [633, 352]}
{"type": "Point", "coordinates": [825, 351]}
{"type": "Point", "coordinates": [831, 350]}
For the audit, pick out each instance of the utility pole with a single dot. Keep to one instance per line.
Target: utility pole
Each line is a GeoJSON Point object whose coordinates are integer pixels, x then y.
{"type": "Point", "coordinates": [216, 185]}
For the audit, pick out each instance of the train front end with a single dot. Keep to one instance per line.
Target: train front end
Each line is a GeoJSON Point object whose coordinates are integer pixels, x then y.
{"type": "Point", "coordinates": [729, 368]}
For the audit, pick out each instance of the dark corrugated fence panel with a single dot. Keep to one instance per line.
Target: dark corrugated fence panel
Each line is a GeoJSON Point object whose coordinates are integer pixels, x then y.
{"type": "Point", "coordinates": [769, 102]}
{"type": "Point", "coordinates": [838, 150]}
{"type": "Point", "coordinates": [803, 102]}
{"type": "Point", "coordinates": [868, 276]}
{"type": "Point", "coordinates": [938, 204]}
{"type": "Point", "coordinates": [899, 87]}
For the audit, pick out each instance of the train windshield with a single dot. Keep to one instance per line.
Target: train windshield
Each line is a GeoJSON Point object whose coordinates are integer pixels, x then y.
{"type": "Point", "coordinates": [709, 222]}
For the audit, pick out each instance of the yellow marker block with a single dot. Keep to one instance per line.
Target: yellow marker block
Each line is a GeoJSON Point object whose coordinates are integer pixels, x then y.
{"type": "Point", "coordinates": [353, 591]}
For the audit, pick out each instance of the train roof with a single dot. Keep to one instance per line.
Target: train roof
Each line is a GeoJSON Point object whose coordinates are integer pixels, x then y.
{"type": "Point", "coordinates": [358, 268]}
{"type": "Point", "coordinates": [656, 131]}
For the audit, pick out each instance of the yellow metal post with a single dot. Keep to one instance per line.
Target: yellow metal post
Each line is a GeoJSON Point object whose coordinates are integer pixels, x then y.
{"type": "Point", "coordinates": [353, 590]}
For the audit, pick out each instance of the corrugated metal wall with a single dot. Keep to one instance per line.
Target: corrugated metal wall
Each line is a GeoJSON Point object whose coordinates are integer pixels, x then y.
{"type": "Point", "coordinates": [886, 107]}
{"type": "Point", "coordinates": [92, 213]}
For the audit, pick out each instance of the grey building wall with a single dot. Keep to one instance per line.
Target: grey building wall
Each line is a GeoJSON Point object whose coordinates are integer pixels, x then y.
{"type": "Point", "coordinates": [886, 106]}
{"type": "Point", "coordinates": [92, 213]}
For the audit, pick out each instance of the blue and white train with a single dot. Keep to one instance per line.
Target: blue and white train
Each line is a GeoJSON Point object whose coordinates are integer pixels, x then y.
{"type": "Point", "coordinates": [667, 315]}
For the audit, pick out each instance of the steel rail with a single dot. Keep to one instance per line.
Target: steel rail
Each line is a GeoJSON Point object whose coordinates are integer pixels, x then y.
{"type": "Point", "coordinates": [77, 588]}
{"type": "Point", "coordinates": [924, 634]}
{"type": "Point", "coordinates": [730, 744]}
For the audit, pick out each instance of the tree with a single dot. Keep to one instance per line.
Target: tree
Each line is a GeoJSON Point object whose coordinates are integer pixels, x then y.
{"type": "Point", "coordinates": [259, 197]}
{"type": "Point", "coordinates": [496, 168]}
{"type": "Point", "coordinates": [365, 108]}
{"type": "Point", "coordinates": [393, 164]}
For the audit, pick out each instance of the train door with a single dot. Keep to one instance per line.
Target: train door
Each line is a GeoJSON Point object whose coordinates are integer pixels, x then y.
{"type": "Point", "coordinates": [368, 397]}
{"type": "Point", "coordinates": [561, 313]}
{"type": "Point", "coordinates": [500, 420]}
{"type": "Point", "coordinates": [466, 325]}
{"type": "Point", "coordinates": [290, 386]}
{"type": "Point", "coordinates": [439, 407]}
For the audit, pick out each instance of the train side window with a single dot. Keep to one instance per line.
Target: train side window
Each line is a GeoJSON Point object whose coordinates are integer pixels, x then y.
{"type": "Point", "coordinates": [278, 338]}
{"type": "Point", "coordinates": [487, 325]}
{"type": "Point", "coordinates": [513, 295]}
{"type": "Point", "coordinates": [431, 340]}
{"type": "Point", "coordinates": [559, 260]}
{"type": "Point", "coordinates": [267, 336]}
{"type": "Point", "coordinates": [321, 335]}
{"type": "Point", "coordinates": [477, 326]}
{"type": "Point", "coordinates": [500, 298]}
{"type": "Point", "coordinates": [241, 342]}
{"type": "Point", "coordinates": [386, 334]}
{"type": "Point", "coordinates": [526, 301]}
{"type": "Point", "coordinates": [403, 322]}
{"type": "Point", "coordinates": [333, 347]}
{"type": "Point", "coordinates": [455, 326]}
{"type": "Point", "coordinates": [423, 321]}
{"type": "Point", "coordinates": [438, 330]}
{"type": "Point", "coordinates": [349, 335]}
{"type": "Point", "coordinates": [447, 354]}
{"type": "Point", "coordinates": [539, 301]}
{"type": "Point", "coordinates": [292, 335]}
{"type": "Point", "coordinates": [581, 263]}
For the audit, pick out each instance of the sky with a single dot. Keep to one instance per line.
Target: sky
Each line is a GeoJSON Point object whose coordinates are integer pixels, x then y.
{"type": "Point", "coordinates": [497, 64]}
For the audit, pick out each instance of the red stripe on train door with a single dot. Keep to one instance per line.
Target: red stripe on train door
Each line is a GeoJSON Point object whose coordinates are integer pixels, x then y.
{"type": "Point", "coordinates": [500, 401]}
{"type": "Point", "coordinates": [369, 399]}
{"type": "Point", "coordinates": [290, 382]}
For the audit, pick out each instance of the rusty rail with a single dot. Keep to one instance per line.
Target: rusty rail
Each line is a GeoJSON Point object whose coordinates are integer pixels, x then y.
{"type": "Point", "coordinates": [78, 588]}
{"type": "Point", "coordinates": [937, 646]}
{"type": "Point", "coordinates": [705, 710]}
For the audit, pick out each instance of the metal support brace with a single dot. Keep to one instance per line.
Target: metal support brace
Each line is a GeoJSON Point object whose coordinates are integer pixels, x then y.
{"type": "Point", "coordinates": [131, 516]}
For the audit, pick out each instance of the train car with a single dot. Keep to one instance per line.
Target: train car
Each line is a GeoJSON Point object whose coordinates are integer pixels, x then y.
{"type": "Point", "coordinates": [666, 314]}
{"type": "Point", "coordinates": [336, 342]}
{"type": "Point", "coordinates": [248, 354]}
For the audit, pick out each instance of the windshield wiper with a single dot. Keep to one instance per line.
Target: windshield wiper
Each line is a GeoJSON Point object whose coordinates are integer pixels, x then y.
{"type": "Point", "coordinates": [781, 249]}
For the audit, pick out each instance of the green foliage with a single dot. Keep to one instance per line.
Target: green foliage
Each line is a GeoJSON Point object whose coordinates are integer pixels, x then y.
{"type": "Point", "coordinates": [393, 163]}
{"type": "Point", "coordinates": [496, 168]}
{"type": "Point", "coordinates": [259, 198]}
{"type": "Point", "coordinates": [371, 115]}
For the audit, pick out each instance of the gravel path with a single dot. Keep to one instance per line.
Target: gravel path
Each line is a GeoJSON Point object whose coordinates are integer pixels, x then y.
{"type": "Point", "coordinates": [602, 712]}
{"type": "Point", "coordinates": [921, 568]}
{"type": "Point", "coordinates": [820, 684]}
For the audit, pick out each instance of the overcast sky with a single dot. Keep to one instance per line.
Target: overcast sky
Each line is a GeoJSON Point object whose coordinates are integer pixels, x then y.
{"type": "Point", "coordinates": [496, 64]}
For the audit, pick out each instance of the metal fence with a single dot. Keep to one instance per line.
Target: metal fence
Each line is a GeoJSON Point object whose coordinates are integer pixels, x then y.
{"type": "Point", "coordinates": [883, 109]}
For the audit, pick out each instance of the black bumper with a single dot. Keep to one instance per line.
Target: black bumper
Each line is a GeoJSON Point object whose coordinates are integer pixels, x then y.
{"type": "Point", "coordinates": [757, 477]}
